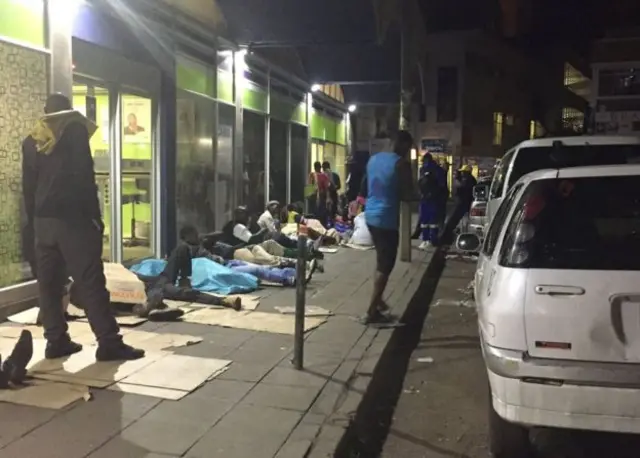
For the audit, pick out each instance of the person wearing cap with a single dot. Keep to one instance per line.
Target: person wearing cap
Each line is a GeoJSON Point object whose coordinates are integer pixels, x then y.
{"type": "Point", "coordinates": [463, 195]}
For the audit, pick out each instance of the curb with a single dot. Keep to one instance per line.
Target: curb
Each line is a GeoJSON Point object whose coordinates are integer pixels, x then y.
{"type": "Point", "coordinates": [360, 424]}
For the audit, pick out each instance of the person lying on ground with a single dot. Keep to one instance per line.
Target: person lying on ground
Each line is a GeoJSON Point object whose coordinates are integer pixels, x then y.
{"type": "Point", "coordinates": [274, 274]}
{"type": "Point", "coordinates": [174, 281]}
{"type": "Point", "coordinates": [237, 232]}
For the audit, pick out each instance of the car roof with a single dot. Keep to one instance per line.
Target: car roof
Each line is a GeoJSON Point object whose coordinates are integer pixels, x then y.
{"type": "Point", "coordinates": [583, 172]}
{"type": "Point", "coordinates": [582, 140]}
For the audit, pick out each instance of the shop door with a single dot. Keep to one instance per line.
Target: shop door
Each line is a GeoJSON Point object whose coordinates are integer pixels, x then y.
{"type": "Point", "coordinates": [137, 185]}
{"type": "Point", "coordinates": [93, 101]}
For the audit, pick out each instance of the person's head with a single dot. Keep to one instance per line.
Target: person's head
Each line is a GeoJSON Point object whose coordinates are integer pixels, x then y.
{"type": "Point", "coordinates": [241, 215]}
{"type": "Point", "coordinates": [56, 103]}
{"type": "Point", "coordinates": [326, 166]}
{"type": "Point", "coordinates": [132, 119]}
{"type": "Point", "coordinates": [403, 143]}
{"type": "Point", "coordinates": [317, 166]}
{"type": "Point", "coordinates": [466, 169]}
{"type": "Point", "coordinates": [273, 207]}
{"type": "Point", "coordinates": [427, 158]}
{"type": "Point", "coordinates": [190, 235]}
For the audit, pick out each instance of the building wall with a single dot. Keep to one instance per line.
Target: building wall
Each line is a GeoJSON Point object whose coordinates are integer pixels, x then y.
{"type": "Point", "coordinates": [615, 100]}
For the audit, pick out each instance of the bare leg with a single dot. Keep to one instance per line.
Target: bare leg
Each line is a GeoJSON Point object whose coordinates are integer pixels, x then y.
{"type": "Point", "coordinates": [379, 285]}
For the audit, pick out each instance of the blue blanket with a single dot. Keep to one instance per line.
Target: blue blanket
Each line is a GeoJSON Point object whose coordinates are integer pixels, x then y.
{"type": "Point", "coordinates": [208, 276]}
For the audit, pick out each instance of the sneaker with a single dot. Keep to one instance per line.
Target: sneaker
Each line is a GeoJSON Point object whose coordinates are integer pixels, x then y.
{"type": "Point", "coordinates": [165, 314]}
{"type": "Point", "coordinates": [422, 246]}
{"type": "Point", "coordinates": [377, 319]}
{"type": "Point", "coordinates": [118, 351]}
{"type": "Point", "coordinates": [15, 366]}
{"type": "Point", "coordinates": [61, 348]}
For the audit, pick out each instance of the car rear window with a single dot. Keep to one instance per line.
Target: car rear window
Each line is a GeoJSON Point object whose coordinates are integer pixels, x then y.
{"type": "Point", "coordinates": [547, 157]}
{"type": "Point", "coordinates": [584, 223]}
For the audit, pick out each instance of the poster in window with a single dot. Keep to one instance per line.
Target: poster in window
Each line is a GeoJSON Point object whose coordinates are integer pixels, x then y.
{"type": "Point", "coordinates": [136, 114]}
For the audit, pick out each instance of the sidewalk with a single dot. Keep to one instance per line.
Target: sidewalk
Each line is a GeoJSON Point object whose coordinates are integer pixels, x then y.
{"type": "Point", "coordinates": [260, 407]}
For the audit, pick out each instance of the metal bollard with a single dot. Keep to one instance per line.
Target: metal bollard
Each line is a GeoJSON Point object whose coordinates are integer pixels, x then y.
{"type": "Point", "coordinates": [301, 290]}
{"type": "Point", "coordinates": [405, 232]}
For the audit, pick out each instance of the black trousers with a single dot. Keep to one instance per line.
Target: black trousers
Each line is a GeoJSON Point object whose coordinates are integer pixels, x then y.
{"type": "Point", "coordinates": [75, 247]}
{"type": "Point", "coordinates": [164, 286]}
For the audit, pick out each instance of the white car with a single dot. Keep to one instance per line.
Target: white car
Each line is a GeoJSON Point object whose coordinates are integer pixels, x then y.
{"type": "Point", "coordinates": [557, 289]}
{"type": "Point", "coordinates": [558, 152]}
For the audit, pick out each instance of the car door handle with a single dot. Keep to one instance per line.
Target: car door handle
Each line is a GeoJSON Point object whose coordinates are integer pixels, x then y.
{"type": "Point", "coordinates": [616, 313]}
{"type": "Point", "coordinates": [559, 290]}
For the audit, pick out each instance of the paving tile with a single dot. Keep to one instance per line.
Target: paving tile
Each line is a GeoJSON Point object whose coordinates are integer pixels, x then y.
{"type": "Point", "coordinates": [82, 429]}
{"type": "Point", "coordinates": [16, 421]}
{"type": "Point", "coordinates": [122, 448]}
{"type": "Point", "coordinates": [258, 354]}
{"type": "Point", "coordinates": [247, 431]}
{"type": "Point", "coordinates": [173, 427]}
{"type": "Point", "coordinates": [226, 390]}
{"type": "Point", "coordinates": [325, 444]}
{"type": "Point", "coordinates": [246, 372]}
{"type": "Point", "coordinates": [205, 350]}
{"type": "Point", "coordinates": [284, 397]}
{"type": "Point", "coordinates": [293, 377]}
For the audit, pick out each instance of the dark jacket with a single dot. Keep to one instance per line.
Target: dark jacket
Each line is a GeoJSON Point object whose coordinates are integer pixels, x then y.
{"type": "Point", "coordinates": [464, 189]}
{"type": "Point", "coordinates": [60, 182]}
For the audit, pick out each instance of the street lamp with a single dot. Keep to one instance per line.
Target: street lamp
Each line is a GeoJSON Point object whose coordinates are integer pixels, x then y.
{"type": "Point", "coordinates": [352, 108]}
{"type": "Point", "coordinates": [315, 87]}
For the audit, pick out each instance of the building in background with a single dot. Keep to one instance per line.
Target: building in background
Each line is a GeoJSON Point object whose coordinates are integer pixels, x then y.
{"type": "Point", "coordinates": [189, 124]}
{"type": "Point", "coordinates": [615, 97]}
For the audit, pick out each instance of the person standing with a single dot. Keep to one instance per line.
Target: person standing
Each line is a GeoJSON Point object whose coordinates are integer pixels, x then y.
{"type": "Point", "coordinates": [319, 200]}
{"type": "Point", "coordinates": [433, 183]}
{"type": "Point", "coordinates": [334, 186]}
{"type": "Point", "coordinates": [61, 199]}
{"type": "Point", "coordinates": [388, 181]}
{"type": "Point", "coordinates": [463, 195]}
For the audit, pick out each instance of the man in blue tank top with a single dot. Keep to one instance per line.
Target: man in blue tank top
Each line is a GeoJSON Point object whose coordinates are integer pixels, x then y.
{"type": "Point", "coordinates": [388, 181]}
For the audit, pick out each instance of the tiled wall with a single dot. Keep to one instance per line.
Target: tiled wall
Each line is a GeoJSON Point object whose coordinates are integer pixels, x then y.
{"type": "Point", "coordinates": [23, 90]}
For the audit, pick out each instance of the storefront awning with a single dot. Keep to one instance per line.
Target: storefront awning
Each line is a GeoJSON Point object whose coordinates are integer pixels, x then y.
{"type": "Point", "coordinates": [339, 41]}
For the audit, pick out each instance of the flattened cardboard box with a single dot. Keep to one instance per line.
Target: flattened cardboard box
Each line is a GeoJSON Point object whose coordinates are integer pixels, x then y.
{"type": "Point", "coordinates": [123, 285]}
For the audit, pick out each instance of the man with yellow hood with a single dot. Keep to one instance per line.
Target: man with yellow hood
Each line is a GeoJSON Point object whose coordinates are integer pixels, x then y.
{"type": "Point", "coordinates": [61, 201]}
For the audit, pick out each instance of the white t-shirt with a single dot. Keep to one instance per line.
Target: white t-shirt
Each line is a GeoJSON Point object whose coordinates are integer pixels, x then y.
{"type": "Point", "coordinates": [241, 232]}
{"type": "Point", "coordinates": [266, 221]}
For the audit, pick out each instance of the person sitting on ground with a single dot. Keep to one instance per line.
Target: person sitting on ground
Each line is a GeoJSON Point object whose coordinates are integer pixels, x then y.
{"type": "Point", "coordinates": [237, 232]}
{"type": "Point", "coordinates": [267, 221]}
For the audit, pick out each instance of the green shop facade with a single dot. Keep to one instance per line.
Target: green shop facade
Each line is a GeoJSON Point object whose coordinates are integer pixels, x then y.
{"type": "Point", "coordinates": [189, 125]}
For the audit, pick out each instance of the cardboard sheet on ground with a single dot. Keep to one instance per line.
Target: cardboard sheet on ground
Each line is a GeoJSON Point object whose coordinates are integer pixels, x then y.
{"type": "Point", "coordinates": [309, 310]}
{"type": "Point", "coordinates": [326, 249]}
{"type": "Point", "coordinates": [123, 285]}
{"type": "Point", "coordinates": [45, 394]}
{"type": "Point", "coordinates": [253, 321]}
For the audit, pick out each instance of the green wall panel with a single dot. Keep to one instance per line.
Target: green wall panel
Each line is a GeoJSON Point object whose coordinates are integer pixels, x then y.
{"type": "Point", "coordinates": [254, 97]}
{"type": "Point", "coordinates": [195, 77]}
{"type": "Point", "coordinates": [287, 109]}
{"type": "Point", "coordinates": [225, 86]}
{"type": "Point", "coordinates": [327, 128]}
{"type": "Point", "coordinates": [23, 20]}
{"type": "Point", "coordinates": [300, 113]}
{"type": "Point", "coordinates": [341, 135]}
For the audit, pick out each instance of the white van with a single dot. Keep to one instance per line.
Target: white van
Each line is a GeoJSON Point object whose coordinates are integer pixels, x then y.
{"type": "Point", "coordinates": [557, 290]}
{"type": "Point", "coordinates": [558, 152]}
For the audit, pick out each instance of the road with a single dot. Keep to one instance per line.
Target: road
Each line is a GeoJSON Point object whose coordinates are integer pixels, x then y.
{"type": "Point", "coordinates": [442, 408]}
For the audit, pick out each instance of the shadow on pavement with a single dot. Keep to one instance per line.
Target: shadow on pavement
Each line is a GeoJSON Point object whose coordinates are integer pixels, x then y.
{"type": "Point", "coordinates": [367, 432]}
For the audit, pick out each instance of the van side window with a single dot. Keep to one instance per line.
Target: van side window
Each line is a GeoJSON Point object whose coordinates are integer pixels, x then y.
{"type": "Point", "coordinates": [491, 240]}
{"type": "Point", "coordinates": [500, 176]}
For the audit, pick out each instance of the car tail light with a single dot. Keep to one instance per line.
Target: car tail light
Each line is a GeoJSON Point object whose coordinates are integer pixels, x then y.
{"type": "Point", "coordinates": [478, 211]}
{"type": "Point", "coordinates": [516, 249]}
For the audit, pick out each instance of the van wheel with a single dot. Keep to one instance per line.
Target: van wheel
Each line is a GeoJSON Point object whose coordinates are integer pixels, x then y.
{"type": "Point", "coordinates": [507, 440]}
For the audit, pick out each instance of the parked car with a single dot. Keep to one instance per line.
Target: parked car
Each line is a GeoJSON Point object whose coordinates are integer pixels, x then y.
{"type": "Point", "coordinates": [478, 211]}
{"type": "Point", "coordinates": [557, 289]}
{"type": "Point", "coordinates": [559, 152]}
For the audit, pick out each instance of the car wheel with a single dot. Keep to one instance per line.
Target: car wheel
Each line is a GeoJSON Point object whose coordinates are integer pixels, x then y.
{"type": "Point", "coordinates": [507, 440]}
